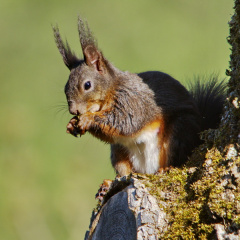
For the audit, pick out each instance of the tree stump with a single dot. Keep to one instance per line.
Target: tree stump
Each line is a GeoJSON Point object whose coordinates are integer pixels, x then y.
{"type": "Point", "coordinates": [131, 213]}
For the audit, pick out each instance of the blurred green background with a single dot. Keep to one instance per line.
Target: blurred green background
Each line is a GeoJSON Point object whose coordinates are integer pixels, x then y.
{"type": "Point", "coordinates": [48, 179]}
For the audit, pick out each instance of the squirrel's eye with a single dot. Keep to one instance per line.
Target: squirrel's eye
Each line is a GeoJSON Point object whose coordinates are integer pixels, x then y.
{"type": "Point", "coordinates": [87, 85]}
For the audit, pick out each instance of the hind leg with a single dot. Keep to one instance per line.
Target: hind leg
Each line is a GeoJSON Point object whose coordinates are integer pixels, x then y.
{"type": "Point", "coordinates": [122, 165]}
{"type": "Point", "coordinates": [120, 160]}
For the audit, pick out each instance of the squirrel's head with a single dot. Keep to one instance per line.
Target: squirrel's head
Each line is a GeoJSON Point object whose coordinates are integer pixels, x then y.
{"type": "Point", "coordinates": [90, 80]}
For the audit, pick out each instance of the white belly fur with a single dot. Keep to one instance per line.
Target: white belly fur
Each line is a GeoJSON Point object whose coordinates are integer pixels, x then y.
{"type": "Point", "coordinates": [144, 150]}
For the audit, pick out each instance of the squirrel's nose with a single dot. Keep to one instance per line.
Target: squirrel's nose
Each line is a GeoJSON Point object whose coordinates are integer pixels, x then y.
{"type": "Point", "coordinates": [73, 108]}
{"type": "Point", "coordinates": [77, 108]}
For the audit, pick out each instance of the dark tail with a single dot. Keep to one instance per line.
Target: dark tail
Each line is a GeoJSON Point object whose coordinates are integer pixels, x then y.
{"type": "Point", "coordinates": [209, 94]}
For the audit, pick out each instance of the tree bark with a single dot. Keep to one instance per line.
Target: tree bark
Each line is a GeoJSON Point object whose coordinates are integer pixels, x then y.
{"type": "Point", "coordinates": [131, 213]}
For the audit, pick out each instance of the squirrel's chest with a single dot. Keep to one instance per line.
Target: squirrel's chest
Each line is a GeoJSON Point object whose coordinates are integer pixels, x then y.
{"type": "Point", "coordinates": [144, 149]}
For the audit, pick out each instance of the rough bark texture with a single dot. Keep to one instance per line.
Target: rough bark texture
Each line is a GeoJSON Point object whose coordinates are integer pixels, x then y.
{"type": "Point", "coordinates": [199, 201]}
{"type": "Point", "coordinates": [129, 212]}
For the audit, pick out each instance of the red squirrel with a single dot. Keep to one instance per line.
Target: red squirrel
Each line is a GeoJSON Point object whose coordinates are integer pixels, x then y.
{"type": "Point", "coordinates": [150, 119]}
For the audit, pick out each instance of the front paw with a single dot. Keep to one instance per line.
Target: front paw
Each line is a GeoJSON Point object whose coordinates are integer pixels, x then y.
{"type": "Point", "coordinates": [72, 127]}
{"type": "Point", "coordinates": [85, 122]}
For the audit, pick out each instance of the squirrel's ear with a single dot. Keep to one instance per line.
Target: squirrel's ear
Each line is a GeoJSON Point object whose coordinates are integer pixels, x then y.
{"type": "Point", "coordinates": [69, 58]}
{"type": "Point", "coordinates": [92, 55]}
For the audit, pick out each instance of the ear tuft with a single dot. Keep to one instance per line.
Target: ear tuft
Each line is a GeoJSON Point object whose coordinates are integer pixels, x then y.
{"type": "Point", "coordinates": [85, 34]}
{"type": "Point", "coordinates": [69, 58]}
{"type": "Point", "coordinates": [92, 55]}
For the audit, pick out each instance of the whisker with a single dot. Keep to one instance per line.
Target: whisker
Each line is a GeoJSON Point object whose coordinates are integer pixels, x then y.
{"type": "Point", "coordinates": [63, 104]}
{"type": "Point", "coordinates": [59, 108]}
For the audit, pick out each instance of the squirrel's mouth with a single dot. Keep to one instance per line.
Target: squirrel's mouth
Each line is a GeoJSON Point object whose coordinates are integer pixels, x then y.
{"type": "Point", "coordinates": [77, 109]}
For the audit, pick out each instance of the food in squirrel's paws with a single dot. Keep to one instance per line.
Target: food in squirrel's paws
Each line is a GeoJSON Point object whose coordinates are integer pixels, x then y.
{"type": "Point", "coordinates": [73, 128]}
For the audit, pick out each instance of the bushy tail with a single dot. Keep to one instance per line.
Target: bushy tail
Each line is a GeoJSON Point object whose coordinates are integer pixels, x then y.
{"type": "Point", "coordinates": [209, 94]}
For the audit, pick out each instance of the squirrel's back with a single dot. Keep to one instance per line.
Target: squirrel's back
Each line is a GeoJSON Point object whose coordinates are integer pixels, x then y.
{"type": "Point", "coordinates": [169, 93]}
{"type": "Point", "coordinates": [186, 113]}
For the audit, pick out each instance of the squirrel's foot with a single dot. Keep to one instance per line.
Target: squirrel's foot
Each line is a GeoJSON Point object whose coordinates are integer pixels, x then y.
{"type": "Point", "coordinates": [102, 191]}
{"type": "Point", "coordinates": [72, 127]}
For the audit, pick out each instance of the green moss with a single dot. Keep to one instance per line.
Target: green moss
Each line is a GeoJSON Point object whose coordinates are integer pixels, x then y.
{"type": "Point", "coordinates": [184, 214]}
{"type": "Point", "coordinates": [197, 198]}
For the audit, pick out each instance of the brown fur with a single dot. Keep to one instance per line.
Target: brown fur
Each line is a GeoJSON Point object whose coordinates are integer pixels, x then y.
{"type": "Point", "coordinates": [120, 160]}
